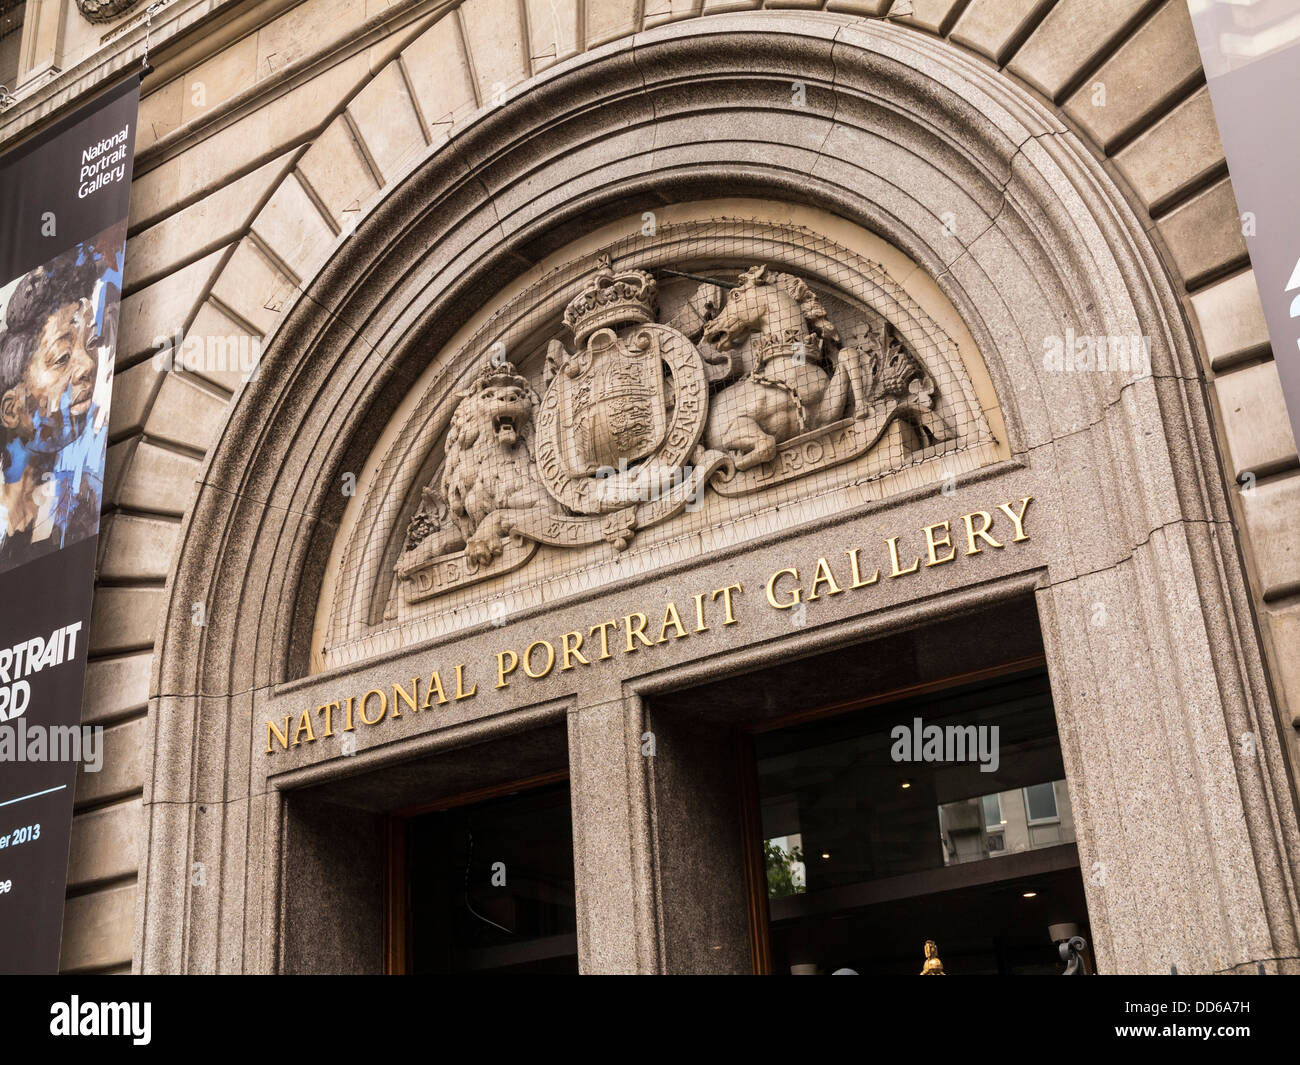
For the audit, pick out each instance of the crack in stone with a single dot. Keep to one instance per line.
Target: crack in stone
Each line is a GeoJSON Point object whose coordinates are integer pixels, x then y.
{"type": "Point", "coordinates": [249, 498]}
{"type": "Point", "coordinates": [1002, 204]}
{"type": "Point", "coordinates": [1210, 523]}
{"type": "Point", "coordinates": [835, 100]}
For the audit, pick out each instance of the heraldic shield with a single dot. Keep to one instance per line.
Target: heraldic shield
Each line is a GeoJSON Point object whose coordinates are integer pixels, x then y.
{"type": "Point", "coordinates": [622, 418]}
{"type": "Point", "coordinates": [612, 404]}
{"type": "Point", "coordinates": [619, 428]}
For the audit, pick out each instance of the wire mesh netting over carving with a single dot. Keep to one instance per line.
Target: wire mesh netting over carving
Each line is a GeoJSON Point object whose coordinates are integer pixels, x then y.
{"type": "Point", "coordinates": [674, 393]}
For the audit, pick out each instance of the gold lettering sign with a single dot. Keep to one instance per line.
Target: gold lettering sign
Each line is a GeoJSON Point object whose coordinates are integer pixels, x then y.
{"type": "Point", "coordinates": [635, 633]}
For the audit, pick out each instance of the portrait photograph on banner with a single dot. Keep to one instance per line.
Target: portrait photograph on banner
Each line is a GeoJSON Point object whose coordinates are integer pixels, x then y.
{"type": "Point", "coordinates": [58, 329]}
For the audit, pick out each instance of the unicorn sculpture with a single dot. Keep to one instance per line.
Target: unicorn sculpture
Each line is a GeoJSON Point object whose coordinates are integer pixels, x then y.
{"type": "Point", "coordinates": [796, 377]}
{"type": "Point", "coordinates": [788, 388]}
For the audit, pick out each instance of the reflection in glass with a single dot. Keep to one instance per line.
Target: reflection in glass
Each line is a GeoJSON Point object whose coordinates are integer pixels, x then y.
{"type": "Point", "coordinates": [492, 886]}
{"type": "Point", "coordinates": [835, 790]}
{"type": "Point", "coordinates": [786, 874]}
{"type": "Point", "coordinates": [1012, 822]}
{"type": "Point", "coordinates": [873, 846]}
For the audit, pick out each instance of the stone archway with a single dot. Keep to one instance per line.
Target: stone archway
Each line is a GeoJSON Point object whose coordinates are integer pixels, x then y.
{"type": "Point", "coordinates": [1025, 235]}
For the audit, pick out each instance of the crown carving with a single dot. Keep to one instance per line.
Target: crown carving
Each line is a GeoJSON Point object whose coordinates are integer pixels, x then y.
{"type": "Point", "coordinates": [610, 299]}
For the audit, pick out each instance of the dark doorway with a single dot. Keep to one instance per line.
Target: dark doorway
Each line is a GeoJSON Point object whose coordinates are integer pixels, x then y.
{"type": "Point", "coordinates": [850, 852]}
{"type": "Point", "coordinates": [491, 886]}
{"type": "Point", "coordinates": [407, 849]}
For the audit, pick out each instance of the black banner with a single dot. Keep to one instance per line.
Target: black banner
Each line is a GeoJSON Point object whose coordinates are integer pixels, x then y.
{"type": "Point", "coordinates": [63, 211]}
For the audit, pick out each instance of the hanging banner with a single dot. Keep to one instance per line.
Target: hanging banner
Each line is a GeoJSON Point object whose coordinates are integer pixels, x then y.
{"type": "Point", "coordinates": [1251, 53]}
{"type": "Point", "coordinates": [63, 211]}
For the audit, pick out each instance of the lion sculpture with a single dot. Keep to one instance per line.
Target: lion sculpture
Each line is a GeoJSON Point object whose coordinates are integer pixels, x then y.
{"type": "Point", "coordinates": [489, 477]}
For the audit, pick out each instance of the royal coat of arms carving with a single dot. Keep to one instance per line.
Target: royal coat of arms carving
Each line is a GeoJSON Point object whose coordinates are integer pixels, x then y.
{"type": "Point", "coordinates": [638, 419]}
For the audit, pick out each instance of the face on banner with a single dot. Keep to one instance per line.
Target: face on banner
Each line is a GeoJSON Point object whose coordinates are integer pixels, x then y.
{"type": "Point", "coordinates": [58, 324]}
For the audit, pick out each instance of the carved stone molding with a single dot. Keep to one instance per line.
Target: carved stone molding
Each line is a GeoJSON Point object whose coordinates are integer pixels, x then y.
{"type": "Point", "coordinates": [745, 383]}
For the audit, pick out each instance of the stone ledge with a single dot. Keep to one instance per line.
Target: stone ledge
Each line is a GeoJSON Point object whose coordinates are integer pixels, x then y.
{"type": "Point", "coordinates": [385, 119]}
{"type": "Point", "coordinates": [1272, 512]}
{"type": "Point", "coordinates": [125, 764]}
{"type": "Point", "coordinates": [164, 308]}
{"type": "Point", "coordinates": [217, 220]}
{"type": "Point", "coordinates": [157, 480]}
{"type": "Point", "coordinates": [185, 413]}
{"type": "Point", "coordinates": [1204, 235]}
{"type": "Point", "coordinates": [116, 686]}
{"type": "Point", "coordinates": [105, 843]}
{"type": "Point", "coordinates": [135, 548]}
{"type": "Point", "coordinates": [1066, 41]}
{"type": "Point", "coordinates": [124, 619]}
{"type": "Point", "coordinates": [929, 15]}
{"type": "Point", "coordinates": [337, 173]}
{"type": "Point", "coordinates": [1231, 319]}
{"type": "Point", "coordinates": [989, 26]}
{"type": "Point", "coordinates": [1284, 627]}
{"type": "Point", "coordinates": [1157, 63]}
{"type": "Point", "coordinates": [1174, 154]}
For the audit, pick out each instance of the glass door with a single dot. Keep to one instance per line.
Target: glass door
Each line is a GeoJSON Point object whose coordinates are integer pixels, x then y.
{"type": "Point", "coordinates": [939, 818]}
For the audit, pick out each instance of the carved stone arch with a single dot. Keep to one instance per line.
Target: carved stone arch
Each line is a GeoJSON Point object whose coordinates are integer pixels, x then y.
{"type": "Point", "coordinates": [898, 134]}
